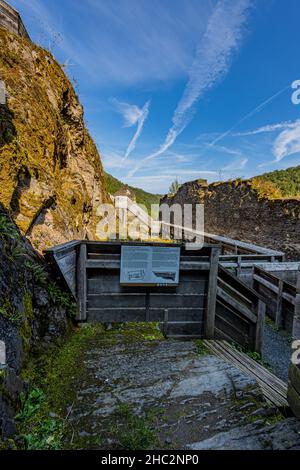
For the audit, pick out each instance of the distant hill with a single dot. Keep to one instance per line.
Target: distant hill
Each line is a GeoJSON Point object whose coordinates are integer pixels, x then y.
{"type": "Point", "coordinates": [142, 197]}
{"type": "Point", "coordinates": [280, 183]}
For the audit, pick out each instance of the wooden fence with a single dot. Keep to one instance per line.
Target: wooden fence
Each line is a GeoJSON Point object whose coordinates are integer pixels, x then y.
{"type": "Point", "coordinates": [281, 296]}
{"type": "Point", "coordinates": [205, 304]}
{"type": "Point", "coordinates": [240, 312]}
{"type": "Point", "coordinates": [293, 395]}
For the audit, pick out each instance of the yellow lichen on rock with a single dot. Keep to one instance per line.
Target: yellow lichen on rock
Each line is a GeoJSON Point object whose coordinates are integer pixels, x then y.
{"type": "Point", "coordinates": [51, 176]}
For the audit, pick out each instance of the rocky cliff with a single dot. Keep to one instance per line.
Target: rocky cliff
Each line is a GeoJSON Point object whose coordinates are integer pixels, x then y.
{"type": "Point", "coordinates": [51, 177]}
{"type": "Point", "coordinates": [242, 210]}
{"type": "Point", "coordinates": [33, 312]}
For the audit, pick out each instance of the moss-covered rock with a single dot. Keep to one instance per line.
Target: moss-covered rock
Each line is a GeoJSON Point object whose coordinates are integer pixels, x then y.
{"type": "Point", "coordinates": [51, 175]}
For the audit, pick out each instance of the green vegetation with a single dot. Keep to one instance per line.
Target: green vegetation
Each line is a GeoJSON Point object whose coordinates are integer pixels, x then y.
{"type": "Point", "coordinates": [201, 348]}
{"type": "Point", "coordinates": [278, 184]}
{"type": "Point", "coordinates": [174, 187]}
{"type": "Point", "coordinates": [142, 197]}
{"type": "Point", "coordinates": [8, 230]}
{"type": "Point", "coordinates": [132, 432]}
{"type": "Point", "coordinates": [43, 418]}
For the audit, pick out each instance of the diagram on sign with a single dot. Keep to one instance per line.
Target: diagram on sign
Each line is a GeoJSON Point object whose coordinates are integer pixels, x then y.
{"type": "Point", "coordinates": [149, 265]}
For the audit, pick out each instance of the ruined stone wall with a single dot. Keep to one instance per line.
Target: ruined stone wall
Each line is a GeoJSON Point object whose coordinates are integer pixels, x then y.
{"type": "Point", "coordinates": [11, 20]}
{"type": "Point", "coordinates": [236, 210]}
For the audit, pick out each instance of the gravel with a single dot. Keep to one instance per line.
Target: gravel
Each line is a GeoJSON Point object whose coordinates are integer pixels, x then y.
{"type": "Point", "coordinates": [277, 351]}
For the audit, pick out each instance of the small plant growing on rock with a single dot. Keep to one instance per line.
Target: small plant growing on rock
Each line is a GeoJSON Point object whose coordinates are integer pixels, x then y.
{"type": "Point", "coordinates": [7, 228]}
{"type": "Point", "coordinates": [38, 272]}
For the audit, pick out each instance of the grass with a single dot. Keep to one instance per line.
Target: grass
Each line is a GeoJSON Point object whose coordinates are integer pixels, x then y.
{"type": "Point", "coordinates": [201, 348]}
{"type": "Point", "coordinates": [42, 420]}
{"type": "Point", "coordinates": [132, 432]}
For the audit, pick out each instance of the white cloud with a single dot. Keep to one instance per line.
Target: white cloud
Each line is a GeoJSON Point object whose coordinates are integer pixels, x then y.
{"type": "Point", "coordinates": [236, 165]}
{"type": "Point", "coordinates": [288, 142]}
{"type": "Point", "coordinates": [132, 115]}
{"type": "Point", "coordinates": [221, 38]}
{"type": "Point", "coordinates": [265, 129]}
{"type": "Point", "coordinates": [140, 124]}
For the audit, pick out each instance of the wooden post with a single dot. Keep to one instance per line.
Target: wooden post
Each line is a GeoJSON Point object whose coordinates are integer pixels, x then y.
{"type": "Point", "coordinates": [278, 317]}
{"type": "Point", "coordinates": [147, 304]}
{"type": "Point", "coordinates": [209, 327]}
{"type": "Point", "coordinates": [296, 320]}
{"type": "Point", "coordinates": [259, 333]}
{"type": "Point", "coordinates": [166, 319]}
{"type": "Point", "coordinates": [81, 283]}
{"type": "Point", "coordinates": [239, 266]}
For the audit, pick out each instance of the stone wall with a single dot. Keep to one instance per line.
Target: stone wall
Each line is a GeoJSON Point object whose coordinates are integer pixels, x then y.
{"type": "Point", "coordinates": [236, 210]}
{"type": "Point", "coordinates": [11, 20]}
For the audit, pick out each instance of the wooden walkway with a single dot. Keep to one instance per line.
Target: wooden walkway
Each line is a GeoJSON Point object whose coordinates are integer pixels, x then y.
{"type": "Point", "coordinates": [274, 389]}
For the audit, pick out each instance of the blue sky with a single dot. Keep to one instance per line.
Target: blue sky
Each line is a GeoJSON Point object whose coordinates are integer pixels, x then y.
{"type": "Point", "coordinates": [180, 88]}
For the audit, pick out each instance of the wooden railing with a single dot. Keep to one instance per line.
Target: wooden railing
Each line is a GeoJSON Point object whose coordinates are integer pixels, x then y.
{"type": "Point", "coordinates": [293, 394]}
{"type": "Point", "coordinates": [208, 302]}
{"type": "Point", "coordinates": [282, 297]}
{"type": "Point", "coordinates": [240, 312]}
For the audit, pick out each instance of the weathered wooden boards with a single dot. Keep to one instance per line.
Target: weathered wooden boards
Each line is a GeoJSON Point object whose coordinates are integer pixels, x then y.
{"type": "Point", "coordinates": [274, 389]}
{"type": "Point", "coordinates": [208, 301]}
{"type": "Point", "coordinates": [240, 312]}
{"type": "Point", "coordinates": [294, 389]}
{"type": "Point", "coordinates": [181, 309]}
{"type": "Point", "coordinates": [64, 258]}
{"type": "Point", "coordinates": [281, 296]}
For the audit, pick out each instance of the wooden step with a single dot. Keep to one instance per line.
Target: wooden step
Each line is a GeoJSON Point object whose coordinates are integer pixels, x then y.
{"type": "Point", "coordinates": [273, 388]}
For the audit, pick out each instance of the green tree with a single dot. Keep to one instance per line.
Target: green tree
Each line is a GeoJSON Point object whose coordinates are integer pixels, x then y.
{"type": "Point", "coordinates": [174, 187]}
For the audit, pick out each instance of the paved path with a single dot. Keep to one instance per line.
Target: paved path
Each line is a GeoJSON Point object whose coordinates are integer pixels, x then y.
{"type": "Point", "coordinates": [163, 394]}
{"type": "Point", "coordinates": [277, 351]}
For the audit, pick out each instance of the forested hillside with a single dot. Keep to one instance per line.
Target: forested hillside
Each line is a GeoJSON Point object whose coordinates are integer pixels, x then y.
{"type": "Point", "coordinates": [142, 197]}
{"type": "Point", "coordinates": [286, 183]}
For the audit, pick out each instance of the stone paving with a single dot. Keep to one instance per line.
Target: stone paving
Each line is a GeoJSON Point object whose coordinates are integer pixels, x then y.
{"type": "Point", "coordinates": [164, 394]}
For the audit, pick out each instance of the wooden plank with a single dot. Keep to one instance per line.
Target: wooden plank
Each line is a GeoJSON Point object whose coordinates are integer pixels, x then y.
{"type": "Point", "coordinates": [178, 314]}
{"type": "Point", "coordinates": [116, 300]}
{"type": "Point", "coordinates": [259, 333]}
{"type": "Point", "coordinates": [116, 315]}
{"type": "Point", "coordinates": [112, 284]}
{"type": "Point", "coordinates": [231, 333]}
{"type": "Point", "coordinates": [288, 298]}
{"type": "Point", "coordinates": [238, 321]}
{"type": "Point", "coordinates": [273, 388]}
{"type": "Point", "coordinates": [212, 294]}
{"type": "Point", "coordinates": [266, 283]}
{"type": "Point", "coordinates": [296, 319]}
{"type": "Point", "coordinates": [238, 285]}
{"type": "Point", "coordinates": [259, 370]}
{"type": "Point", "coordinates": [283, 266]}
{"type": "Point", "coordinates": [294, 377]}
{"type": "Point", "coordinates": [63, 247]}
{"type": "Point", "coordinates": [243, 360]}
{"type": "Point", "coordinates": [194, 329]}
{"type": "Point", "coordinates": [242, 245]}
{"type": "Point", "coordinates": [278, 313]}
{"type": "Point", "coordinates": [177, 300]}
{"type": "Point", "coordinates": [114, 264]}
{"type": "Point", "coordinates": [81, 283]}
{"type": "Point", "coordinates": [236, 305]}
{"type": "Point", "coordinates": [234, 293]}
{"type": "Point", "coordinates": [294, 400]}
